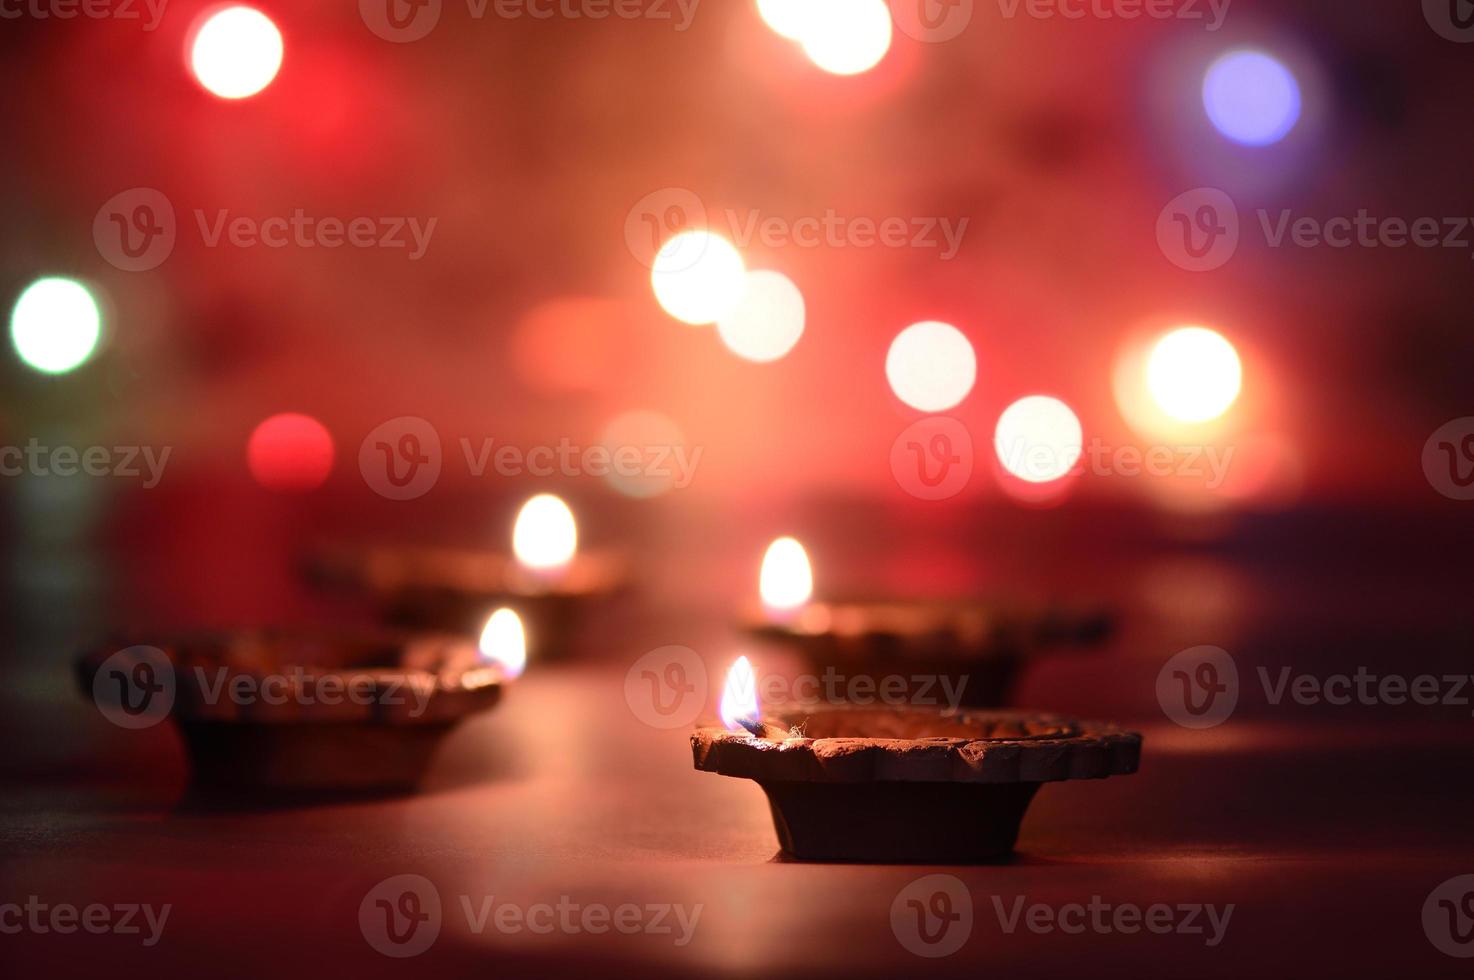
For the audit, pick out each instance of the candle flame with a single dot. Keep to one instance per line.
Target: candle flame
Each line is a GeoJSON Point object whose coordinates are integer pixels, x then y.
{"type": "Point", "coordinates": [545, 535]}
{"type": "Point", "coordinates": [739, 696]}
{"type": "Point", "coordinates": [504, 642]}
{"type": "Point", "coordinates": [787, 580]}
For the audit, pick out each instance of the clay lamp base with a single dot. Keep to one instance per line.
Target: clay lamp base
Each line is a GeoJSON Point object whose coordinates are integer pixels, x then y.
{"type": "Point", "coordinates": [455, 589]}
{"type": "Point", "coordinates": [377, 706]}
{"type": "Point", "coordinates": [986, 643]}
{"type": "Point", "coordinates": [910, 785]}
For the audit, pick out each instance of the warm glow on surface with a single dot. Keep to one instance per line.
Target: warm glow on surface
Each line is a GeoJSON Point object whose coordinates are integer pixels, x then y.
{"type": "Point", "coordinates": [768, 321]}
{"type": "Point", "coordinates": [787, 579]}
{"type": "Point", "coordinates": [503, 641]}
{"type": "Point", "coordinates": [739, 696]}
{"type": "Point", "coordinates": [1251, 98]}
{"type": "Point", "coordinates": [785, 17]}
{"type": "Point", "coordinates": [931, 366]}
{"type": "Point", "coordinates": [846, 37]}
{"type": "Point", "coordinates": [1194, 374]}
{"type": "Point", "coordinates": [1038, 439]}
{"type": "Point", "coordinates": [698, 277]}
{"type": "Point", "coordinates": [545, 535]}
{"type": "Point", "coordinates": [55, 325]}
{"type": "Point", "coordinates": [236, 52]}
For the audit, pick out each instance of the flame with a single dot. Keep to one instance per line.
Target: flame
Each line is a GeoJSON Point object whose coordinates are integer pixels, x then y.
{"type": "Point", "coordinates": [504, 642]}
{"type": "Point", "coordinates": [787, 580]}
{"type": "Point", "coordinates": [545, 535]}
{"type": "Point", "coordinates": [739, 696]}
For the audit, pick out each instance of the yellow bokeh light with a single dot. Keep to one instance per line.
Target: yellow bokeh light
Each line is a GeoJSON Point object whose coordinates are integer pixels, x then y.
{"type": "Point", "coordinates": [786, 17]}
{"type": "Point", "coordinates": [846, 37]}
{"type": "Point", "coordinates": [768, 321]}
{"type": "Point", "coordinates": [698, 277]}
{"type": "Point", "coordinates": [503, 641]}
{"type": "Point", "coordinates": [786, 581]}
{"type": "Point", "coordinates": [545, 535]}
{"type": "Point", "coordinates": [1194, 374]}
{"type": "Point", "coordinates": [1038, 439]}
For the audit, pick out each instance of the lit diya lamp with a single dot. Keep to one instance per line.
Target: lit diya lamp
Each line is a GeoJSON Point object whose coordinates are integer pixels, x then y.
{"type": "Point", "coordinates": [981, 643]}
{"type": "Point", "coordinates": [901, 785]}
{"type": "Point", "coordinates": [288, 713]}
{"type": "Point", "coordinates": [547, 578]}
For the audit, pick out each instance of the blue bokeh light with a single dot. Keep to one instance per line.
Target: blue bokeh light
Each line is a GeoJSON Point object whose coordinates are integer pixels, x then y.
{"type": "Point", "coordinates": [1251, 98]}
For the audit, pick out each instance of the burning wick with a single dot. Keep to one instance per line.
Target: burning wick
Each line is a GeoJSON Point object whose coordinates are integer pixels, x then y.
{"type": "Point", "coordinates": [786, 582]}
{"type": "Point", "coordinates": [504, 642]}
{"type": "Point", "coordinates": [739, 703]}
{"type": "Point", "coordinates": [545, 536]}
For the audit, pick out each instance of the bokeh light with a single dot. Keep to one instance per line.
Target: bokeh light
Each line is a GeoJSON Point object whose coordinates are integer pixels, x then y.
{"type": "Point", "coordinates": [504, 642]}
{"type": "Point", "coordinates": [1038, 439]}
{"type": "Point", "coordinates": [931, 366]}
{"type": "Point", "coordinates": [787, 18]}
{"type": "Point", "coordinates": [768, 320]}
{"type": "Point", "coordinates": [698, 277]}
{"type": "Point", "coordinates": [1251, 98]}
{"type": "Point", "coordinates": [291, 452]}
{"type": "Point", "coordinates": [545, 535]}
{"type": "Point", "coordinates": [1194, 374]}
{"type": "Point", "coordinates": [235, 52]}
{"type": "Point", "coordinates": [657, 448]}
{"type": "Point", "coordinates": [786, 580]}
{"type": "Point", "coordinates": [55, 325]}
{"type": "Point", "coordinates": [846, 37]}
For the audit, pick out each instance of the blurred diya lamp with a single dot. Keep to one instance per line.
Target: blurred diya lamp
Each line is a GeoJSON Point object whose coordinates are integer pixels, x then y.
{"type": "Point", "coordinates": [985, 642]}
{"type": "Point", "coordinates": [289, 713]}
{"type": "Point", "coordinates": [549, 581]}
{"type": "Point", "coordinates": [902, 785]}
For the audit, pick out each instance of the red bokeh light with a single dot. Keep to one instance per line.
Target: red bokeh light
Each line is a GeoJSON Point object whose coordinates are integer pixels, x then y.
{"type": "Point", "coordinates": [290, 451]}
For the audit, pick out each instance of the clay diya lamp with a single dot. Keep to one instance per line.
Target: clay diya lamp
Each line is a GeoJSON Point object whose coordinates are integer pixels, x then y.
{"type": "Point", "coordinates": [907, 785]}
{"type": "Point", "coordinates": [986, 642]}
{"type": "Point", "coordinates": [282, 713]}
{"type": "Point", "coordinates": [547, 580]}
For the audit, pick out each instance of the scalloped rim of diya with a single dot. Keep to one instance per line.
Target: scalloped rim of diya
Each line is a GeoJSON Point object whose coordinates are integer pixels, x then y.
{"type": "Point", "coordinates": [389, 570]}
{"type": "Point", "coordinates": [910, 785]}
{"type": "Point", "coordinates": [412, 690]}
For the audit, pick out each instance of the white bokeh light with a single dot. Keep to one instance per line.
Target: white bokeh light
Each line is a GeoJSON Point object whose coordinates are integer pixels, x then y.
{"type": "Point", "coordinates": [1038, 439]}
{"type": "Point", "coordinates": [786, 580]}
{"type": "Point", "coordinates": [931, 366]}
{"type": "Point", "coordinates": [845, 37]}
{"type": "Point", "coordinates": [545, 535]}
{"type": "Point", "coordinates": [55, 325]}
{"type": "Point", "coordinates": [768, 321]}
{"type": "Point", "coordinates": [786, 17]}
{"type": "Point", "coordinates": [503, 641]}
{"type": "Point", "coordinates": [236, 52]}
{"type": "Point", "coordinates": [698, 277]}
{"type": "Point", "coordinates": [1194, 374]}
